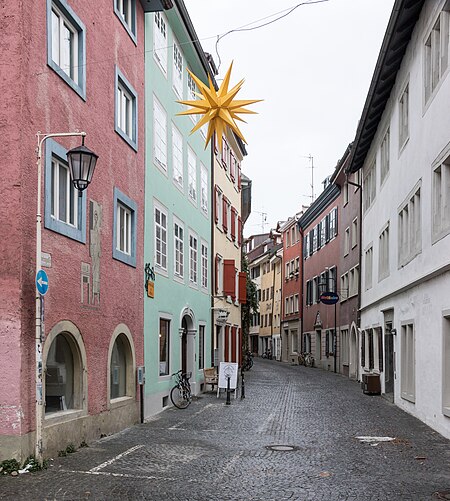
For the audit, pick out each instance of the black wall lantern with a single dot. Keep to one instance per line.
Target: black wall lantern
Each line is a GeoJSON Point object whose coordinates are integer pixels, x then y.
{"type": "Point", "coordinates": [81, 166]}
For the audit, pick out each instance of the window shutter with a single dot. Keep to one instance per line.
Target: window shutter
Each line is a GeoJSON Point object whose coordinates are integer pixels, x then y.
{"type": "Point", "coordinates": [239, 235]}
{"type": "Point", "coordinates": [319, 235]}
{"type": "Point", "coordinates": [335, 222]}
{"type": "Point", "coordinates": [363, 349]}
{"type": "Point", "coordinates": [233, 223]}
{"type": "Point", "coordinates": [232, 167]}
{"type": "Point", "coordinates": [327, 228]}
{"type": "Point", "coordinates": [311, 242]}
{"type": "Point", "coordinates": [305, 249]}
{"type": "Point", "coordinates": [239, 177]}
{"type": "Point", "coordinates": [216, 274]}
{"type": "Point", "coordinates": [327, 343]}
{"type": "Point", "coordinates": [380, 349]}
{"type": "Point", "coordinates": [229, 280]}
{"type": "Point", "coordinates": [216, 208]}
{"type": "Point", "coordinates": [242, 297]}
{"type": "Point", "coordinates": [224, 213]}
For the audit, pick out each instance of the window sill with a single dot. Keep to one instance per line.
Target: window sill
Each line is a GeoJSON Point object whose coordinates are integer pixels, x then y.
{"type": "Point", "coordinates": [446, 411]}
{"type": "Point", "coordinates": [126, 26]}
{"type": "Point", "coordinates": [161, 271]}
{"type": "Point", "coordinates": [63, 416]}
{"type": "Point", "coordinates": [408, 398]}
{"type": "Point", "coordinates": [120, 402]}
{"type": "Point", "coordinates": [130, 141]}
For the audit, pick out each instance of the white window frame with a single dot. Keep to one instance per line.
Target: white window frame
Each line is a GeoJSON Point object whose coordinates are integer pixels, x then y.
{"type": "Point", "coordinates": [384, 157]}
{"type": "Point", "coordinates": [370, 186]}
{"type": "Point", "coordinates": [123, 230]}
{"type": "Point", "coordinates": [193, 258]}
{"type": "Point", "coordinates": [126, 12]}
{"type": "Point", "coordinates": [368, 268]}
{"type": "Point", "coordinates": [383, 254]}
{"type": "Point", "coordinates": [204, 189]}
{"type": "Point", "coordinates": [178, 248]}
{"type": "Point", "coordinates": [354, 232]}
{"type": "Point", "coordinates": [177, 157]}
{"type": "Point", "coordinates": [410, 227]}
{"type": "Point", "coordinates": [66, 60]}
{"type": "Point", "coordinates": [161, 256]}
{"type": "Point", "coordinates": [71, 195]}
{"type": "Point", "coordinates": [441, 199]}
{"type": "Point", "coordinates": [403, 117]}
{"type": "Point", "coordinates": [177, 70]}
{"type": "Point", "coordinates": [192, 175]}
{"type": "Point", "coordinates": [159, 135]}
{"type": "Point", "coordinates": [347, 241]}
{"type": "Point", "coordinates": [205, 264]}
{"type": "Point", "coordinates": [160, 39]}
{"type": "Point", "coordinates": [192, 90]}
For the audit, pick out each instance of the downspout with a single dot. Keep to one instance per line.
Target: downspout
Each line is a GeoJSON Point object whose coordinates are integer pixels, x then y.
{"type": "Point", "coordinates": [301, 288]}
{"type": "Point", "coordinates": [359, 188]}
{"type": "Point", "coordinates": [273, 304]}
{"type": "Point", "coordinates": [213, 254]}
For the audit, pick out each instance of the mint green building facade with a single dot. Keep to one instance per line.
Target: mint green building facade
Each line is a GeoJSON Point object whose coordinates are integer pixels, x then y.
{"type": "Point", "coordinates": [178, 211]}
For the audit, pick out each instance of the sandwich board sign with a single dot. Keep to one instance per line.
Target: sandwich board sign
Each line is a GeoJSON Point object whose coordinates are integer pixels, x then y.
{"type": "Point", "coordinates": [228, 370]}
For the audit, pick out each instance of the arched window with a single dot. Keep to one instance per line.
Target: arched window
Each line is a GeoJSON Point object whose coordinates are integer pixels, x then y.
{"type": "Point", "coordinates": [62, 385]}
{"type": "Point", "coordinates": [119, 355]}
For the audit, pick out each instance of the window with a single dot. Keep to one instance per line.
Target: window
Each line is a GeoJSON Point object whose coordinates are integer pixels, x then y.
{"type": "Point", "coordinates": [353, 282]}
{"type": "Point", "coordinates": [368, 268]}
{"type": "Point", "coordinates": [193, 244]}
{"type": "Point", "coordinates": [286, 306]}
{"type": "Point", "coordinates": [177, 72]}
{"type": "Point", "coordinates": [346, 241]}
{"type": "Point", "coordinates": [164, 346]}
{"type": "Point", "coordinates": [120, 368]}
{"type": "Point", "coordinates": [204, 189]}
{"type": "Point", "coordinates": [409, 228]}
{"type": "Point", "coordinates": [383, 254]}
{"type": "Point", "coordinates": [446, 366]}
{"type": "Point", "coordinates": [408, 363]}
{"type": "Point", "coordinates": [332, 277]}
{"type": "Point", "coordinates": [126, 110]}
{"type": "Point", "coordinates": [354, 232]}
{"type": "Point", "coordinates": [441, 200]}
{"type": "Point", "coordinates": [369, 187]}
{"type": "Point", "coordinates": [63, 384]}
{"type": "Point", "coordinates": [404, 117]}
{"type": "Point", "coordinates": [201, 346]}
{"type": "Point", "coordinates": [177, 156]}
{"type": "Point", "coordinates": [124, 231]}
{"type": "Point", "coordinates": [344, 292]}
{"type": "Point", "coordinates": [384, 157]}
{"type": "Point", "coordinates": [178, 236]}
{"type": "Point", "coordinates": [192, 89]}
{"type": "Point", "coordinates": [345, 193]}
{"type": "Point", "coordinates": [65, 211]}
{"type": "Point", "coordinates": [159, 135]}
{"type": "Point", "coordinates": [192, 175]}
{"type": "Point", "coordinates": [306, 247]}
{"type": "Point", "coordinates": [66, 49]}
{"type": "Point", "coordinates": [288, 238]}
{"type": "Point", "coordinates": [436, 54]}
{"type": "Point", "coordinates": [160, 238]}
{"type": "Point", "coordinates": [333, 223]}
{"type": "Point", "coordinates": [160, 41]}
{"type": "Point", "coordinates": [126, 12]}
{"type": "Point", "coordinates": [296, 303]}
{"type": "Point", "coordinates": [315, 287]}
{"type": "Point", "coordinates": [219, 206]}
{"type": "Point", "coordinates": [204, 266]}
{"type": "Point", "coordinates": [329, 342]}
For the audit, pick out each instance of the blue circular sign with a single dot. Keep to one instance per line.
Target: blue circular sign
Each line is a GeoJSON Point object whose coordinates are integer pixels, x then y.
{"type": "Point", "coordinates": [42, 282]}
{"type": "Point", "coordinates": [329, 297]}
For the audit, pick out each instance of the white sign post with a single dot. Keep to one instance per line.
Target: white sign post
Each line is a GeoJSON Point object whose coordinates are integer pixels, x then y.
{"type": "Point", "coordinates": [228, 370]}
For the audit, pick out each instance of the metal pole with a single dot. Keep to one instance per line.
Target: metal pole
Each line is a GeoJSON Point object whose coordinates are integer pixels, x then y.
{"type": "Point", "coordinates": [39, 335]}
{"type": "Point", "coordinates": [228, 402]}
{"type": "Point", "coordinates": [243, 384]}
{"type": "Point", "coordinates": [335, 339]}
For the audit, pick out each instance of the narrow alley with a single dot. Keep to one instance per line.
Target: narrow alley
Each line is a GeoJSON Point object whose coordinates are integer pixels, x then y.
{"type": "Point", "coordinates": [215, 451]}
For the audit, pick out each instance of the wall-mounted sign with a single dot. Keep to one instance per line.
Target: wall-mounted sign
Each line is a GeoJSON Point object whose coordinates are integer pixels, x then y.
{"type": "Point", "coordinates": [46, 260]}
{"type": "Point", "coordinates": [151, 289]}
{"type": "Point", "coordinates": [329, 297]}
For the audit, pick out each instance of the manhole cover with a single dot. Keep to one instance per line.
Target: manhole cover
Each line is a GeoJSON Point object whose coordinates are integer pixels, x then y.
{"type": "Point", "coordinates": [281, 447]}
{"type": "Point", "coordinates": [442, 495]}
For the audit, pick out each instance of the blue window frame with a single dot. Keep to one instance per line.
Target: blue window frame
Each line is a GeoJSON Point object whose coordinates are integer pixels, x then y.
{"type": "Point", "coordinates": [125, 10]}
{"type": "Point", "coordinates": [66, 45]}
{"type": "Point", "coordinates": [125, 111]}
{"type": "Point", "coordinates": [124, 229]}
{"type": "Point", "coordinates": [65, 210]}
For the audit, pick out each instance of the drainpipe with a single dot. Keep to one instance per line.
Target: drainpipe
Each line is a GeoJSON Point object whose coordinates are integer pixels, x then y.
{"type": "Point", "coordinates": [213, 254]}
{"type": "Point", "coordinates": [273, 303]}
{"type": "Point", "coordinates": [301, 287]}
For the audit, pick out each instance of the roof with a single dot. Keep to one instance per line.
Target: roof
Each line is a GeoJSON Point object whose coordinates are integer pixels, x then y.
{"type": "Point", "coordinates": [401, 24]}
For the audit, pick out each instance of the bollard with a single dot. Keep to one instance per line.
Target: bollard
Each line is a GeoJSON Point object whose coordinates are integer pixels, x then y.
{"type": "Point", "coordinates": [243, 384]}
{"type": "Point", "coordinates": [228, 402]}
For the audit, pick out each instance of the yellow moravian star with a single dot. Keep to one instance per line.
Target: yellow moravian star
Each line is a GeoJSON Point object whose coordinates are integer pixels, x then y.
{"type": "Point", "coordinates": [218, 107]}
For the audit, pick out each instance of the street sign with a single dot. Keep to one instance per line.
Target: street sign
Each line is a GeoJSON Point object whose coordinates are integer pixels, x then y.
{"type": "Point", "coordinates": [42, 282]}
{"type": "Point", "coordinates": [329, 297]}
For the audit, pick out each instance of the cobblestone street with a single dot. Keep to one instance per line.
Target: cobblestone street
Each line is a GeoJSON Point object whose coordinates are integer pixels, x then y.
{"type": "Point", "coordinates": [211, 451]}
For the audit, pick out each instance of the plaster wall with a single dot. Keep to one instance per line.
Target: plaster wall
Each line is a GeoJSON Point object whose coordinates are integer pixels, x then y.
{"type": "Point", "coordinates": [173, 296]}
{"type": "Point", "coordinates": [40, 100]}
{"type": "Point", "coordinates": [417, 290]}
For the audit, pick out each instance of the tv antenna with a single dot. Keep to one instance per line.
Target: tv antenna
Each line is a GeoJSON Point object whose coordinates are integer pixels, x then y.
{"type": "Point", "coordinates": [311, 159]}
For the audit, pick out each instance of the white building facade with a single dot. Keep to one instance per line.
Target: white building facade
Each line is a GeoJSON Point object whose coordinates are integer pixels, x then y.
{"type": "Point", "coordinates": [402, 150]}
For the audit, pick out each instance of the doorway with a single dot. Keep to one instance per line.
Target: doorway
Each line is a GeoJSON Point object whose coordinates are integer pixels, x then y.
{"type": "Point", "coordinates": [354, 353]}
{"type": "Point", "coordinates": [318, 354]}
{"type": "Point", "coordinates": [389, 361]}
{"type": "Point", "coordinates": [184, 344]}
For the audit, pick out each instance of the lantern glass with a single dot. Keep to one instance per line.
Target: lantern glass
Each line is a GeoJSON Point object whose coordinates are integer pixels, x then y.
{"type": "Point", "coordinates": [81, 166]}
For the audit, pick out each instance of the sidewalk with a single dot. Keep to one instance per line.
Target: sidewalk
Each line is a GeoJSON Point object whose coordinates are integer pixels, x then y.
{"type": "Point", "coordinates": [212, 451]}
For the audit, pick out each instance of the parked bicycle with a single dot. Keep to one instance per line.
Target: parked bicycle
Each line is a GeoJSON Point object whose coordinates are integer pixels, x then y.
{"type": "Point", "coordinates": [180, 395]}
{"type": "Point", "coordinates": [306, 359]}
{"type": "Point", "coordinates": [247, 364]}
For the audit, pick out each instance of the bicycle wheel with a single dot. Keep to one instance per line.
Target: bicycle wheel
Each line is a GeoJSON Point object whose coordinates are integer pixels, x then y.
{"type": "Point", "coordinates": [180, 397]}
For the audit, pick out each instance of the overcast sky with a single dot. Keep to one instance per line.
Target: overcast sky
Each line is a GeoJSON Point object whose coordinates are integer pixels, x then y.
{"type": "Point", "coordinates": [313, 69]}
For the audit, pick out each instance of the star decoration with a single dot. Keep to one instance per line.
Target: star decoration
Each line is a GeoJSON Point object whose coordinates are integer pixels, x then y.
{"type": "Point", "coordinates": [218, 107]}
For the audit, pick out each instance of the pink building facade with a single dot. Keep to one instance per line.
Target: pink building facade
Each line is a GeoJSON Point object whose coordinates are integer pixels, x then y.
{"type": "Point", "coordinates": [66, 68]}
